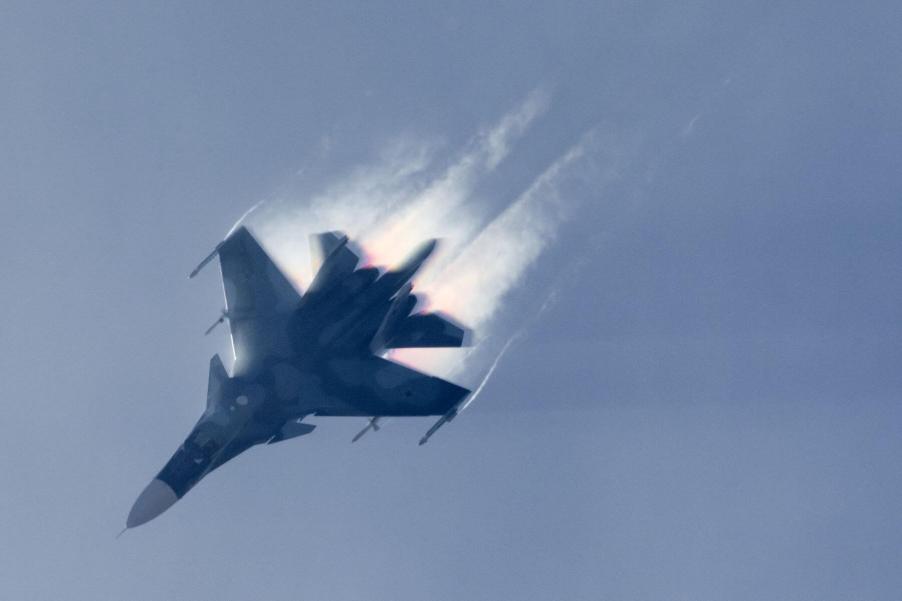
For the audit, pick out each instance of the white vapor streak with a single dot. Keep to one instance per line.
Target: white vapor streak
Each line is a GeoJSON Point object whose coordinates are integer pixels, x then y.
{"type": "Point", "coordinates": [388, 209]}
{"type": "Point", "coordinates": [391, 207]}
{"type": "Point", "coordinates": [549, 300]}
{"type": "Point", "coordinates": [491, 370]}
{"type": "Point", "coordinates": [476, 280]}
{"type": "Point", "coordinates": [440, 210]}
{"type": "Point", "coordinates": [512, 242]}
{"type": "Point", "coordinates": [241, 219]}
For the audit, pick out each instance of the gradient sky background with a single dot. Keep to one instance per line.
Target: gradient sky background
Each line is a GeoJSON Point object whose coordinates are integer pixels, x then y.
{"type": "Point", "coordinates": [710, 409]}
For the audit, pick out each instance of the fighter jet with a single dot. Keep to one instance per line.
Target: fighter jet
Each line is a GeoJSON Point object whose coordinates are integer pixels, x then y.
{"type": "Point", "coordinates": [320, 354]}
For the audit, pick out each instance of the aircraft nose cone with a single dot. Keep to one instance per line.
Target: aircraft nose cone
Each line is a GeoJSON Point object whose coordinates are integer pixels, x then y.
{"type": "Point", "coordinates": [156, 498]}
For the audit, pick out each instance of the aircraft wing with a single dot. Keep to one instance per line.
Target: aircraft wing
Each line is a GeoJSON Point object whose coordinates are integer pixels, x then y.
{"type": "Point", "coordinates": [375, 386]}
{"type": "Point", "coordinates": [259, 299]}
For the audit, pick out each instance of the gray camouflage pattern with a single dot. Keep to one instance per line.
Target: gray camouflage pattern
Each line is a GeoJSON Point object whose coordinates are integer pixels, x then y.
{"type": "Point", "coordinates": [297, 356]}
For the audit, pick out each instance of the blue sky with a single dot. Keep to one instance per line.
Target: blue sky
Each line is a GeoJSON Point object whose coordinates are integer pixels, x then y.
{"type": "Point", "coordinates": [708, 409]}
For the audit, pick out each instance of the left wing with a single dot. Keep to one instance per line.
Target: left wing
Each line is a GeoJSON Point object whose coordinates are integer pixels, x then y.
{"type": "Point", "coordinates": [259, 300]}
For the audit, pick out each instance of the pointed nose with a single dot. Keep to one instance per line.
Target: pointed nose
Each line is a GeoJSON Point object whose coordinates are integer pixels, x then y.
{"type": "Point", "coordinates": [156, 498]}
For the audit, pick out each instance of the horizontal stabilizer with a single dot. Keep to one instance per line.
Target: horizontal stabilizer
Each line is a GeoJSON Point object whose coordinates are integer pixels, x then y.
{"type": "Point", "coordinates": [429, 330]}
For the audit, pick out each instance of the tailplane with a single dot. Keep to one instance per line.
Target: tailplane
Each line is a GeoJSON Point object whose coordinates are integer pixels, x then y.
{"type": "Point", "coordinates": [428, 330]}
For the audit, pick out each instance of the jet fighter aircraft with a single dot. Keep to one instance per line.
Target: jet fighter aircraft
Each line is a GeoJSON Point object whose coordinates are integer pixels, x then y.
{"type": "Point", "coordinates": [317, 354]}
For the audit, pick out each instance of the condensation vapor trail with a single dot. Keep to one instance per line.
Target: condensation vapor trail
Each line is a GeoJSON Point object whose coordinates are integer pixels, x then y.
{"type": "Point", "coordinates": [405, 197]}
{"type": "Point", "coordinates": [552, 296]}
{"type": "Point", "coordinates": [243, 217]}
{"type": "Point", "coordinates": [489, 373]}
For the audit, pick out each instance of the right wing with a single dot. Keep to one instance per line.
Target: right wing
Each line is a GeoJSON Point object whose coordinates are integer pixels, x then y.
{"type": "Point", "coordinates": [375, 386]}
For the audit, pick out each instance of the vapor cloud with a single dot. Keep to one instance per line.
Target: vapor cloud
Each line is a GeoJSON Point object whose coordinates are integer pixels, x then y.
{"type": "Point", "coordinates": [391, 206]}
